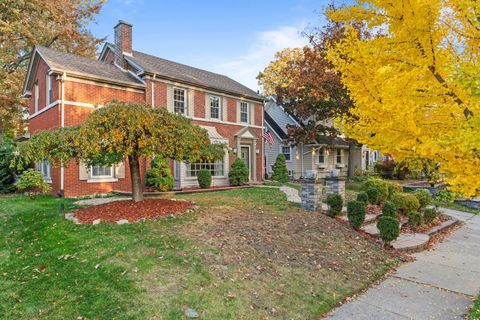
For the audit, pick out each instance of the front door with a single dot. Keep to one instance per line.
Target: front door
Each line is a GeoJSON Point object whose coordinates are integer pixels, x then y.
{"type": "Point", "coordinates": [245, 155]}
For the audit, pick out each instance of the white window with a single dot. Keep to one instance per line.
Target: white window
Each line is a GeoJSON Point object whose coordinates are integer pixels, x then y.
{"type": "Point", "coordinates": [216, 168]}
{"type": "Point", "coordinates": [339, 156]}
{"type": "Point", "coordinates": [215, 107]}
{"type": "Point", "coordinates": [290, 173]}
{"type": "Point", "coordinates": [244, 112]}
{"type": "Point", "coordinates": [287, 152]}
{"type": "Point", "coordinates": [321, 155]}
{"type": "Point", "coordinates": [48, 90]}
{"type": "Point", "coordinates": [46, 169]}
{"type": "Point", "coordinates": [179, 101]}
{"type": "Point", "coordinates": [99, 172]}
{"type": "Point", "coordinates": [36, 97]}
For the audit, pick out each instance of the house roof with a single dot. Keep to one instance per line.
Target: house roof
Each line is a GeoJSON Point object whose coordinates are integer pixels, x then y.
{"type": "Point", "coordinates": [183, 73]}
{"type": "Point", "coordinates": [323, 140]}
{"type": "Point", "coordinates": [91, 68]}
{"type": "Point", "coordinates": [275, 127]}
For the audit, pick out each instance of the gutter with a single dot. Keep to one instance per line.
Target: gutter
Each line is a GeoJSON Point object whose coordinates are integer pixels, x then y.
{"type": "Point", "coordinates": [62, 124]}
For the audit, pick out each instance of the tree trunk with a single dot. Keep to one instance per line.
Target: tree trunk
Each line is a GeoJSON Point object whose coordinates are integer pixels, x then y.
{"type": "Point", "coordinates": [137, 192]}
{"type": "Point", "coordinates": [351, 169]}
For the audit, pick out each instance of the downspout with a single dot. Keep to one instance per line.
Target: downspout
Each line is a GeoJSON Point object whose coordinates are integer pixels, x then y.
{"type": "Point", "coordinates": [302, 161]}
{"type": "Point", "coordinates": [62, 124]}
{"type": "Point", "coordinates": [264, 159]}
{"type": "Point", "coordinates": [153, 93]}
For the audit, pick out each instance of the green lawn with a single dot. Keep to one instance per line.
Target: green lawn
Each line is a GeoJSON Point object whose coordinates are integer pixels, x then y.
{"type": "Point", "coordinates": [475, 312]}
{"type": "Point", "coordinates": [293, 185]}
{"type": "Point", "coordinates": [247, 254]}
{"type": "Point", "coordinates": [455, 206]}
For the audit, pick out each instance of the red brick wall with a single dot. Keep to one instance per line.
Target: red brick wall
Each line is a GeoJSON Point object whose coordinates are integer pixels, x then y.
{"type": "Point", "coordinates": [258, 114]}
{"type": "Point", "coordinates": [159, 93]}
{"type": "Point", "coordinates": [199, 107]}
{"type": "Point", "coordinates": [49, 119]}
{"type": "Point", "coordinates": [231, 110]}
{"type": "Point", "coordinates": [95, 94]}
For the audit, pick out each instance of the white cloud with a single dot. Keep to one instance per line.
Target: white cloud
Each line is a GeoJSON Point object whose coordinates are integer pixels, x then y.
{"type": "Point", "coordinates": [246, 67]}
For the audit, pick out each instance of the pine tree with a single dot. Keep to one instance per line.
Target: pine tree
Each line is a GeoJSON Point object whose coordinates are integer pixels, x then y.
{"type": "Point", "coordinates": [280, 172]}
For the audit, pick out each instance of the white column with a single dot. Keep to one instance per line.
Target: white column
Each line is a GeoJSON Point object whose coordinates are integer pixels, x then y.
{"type": "Point", "coordinates": [254, 162]}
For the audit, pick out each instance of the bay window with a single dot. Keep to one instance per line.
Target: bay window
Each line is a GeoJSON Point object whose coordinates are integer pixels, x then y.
{"type": "Point", "coordinates": [216, 168]}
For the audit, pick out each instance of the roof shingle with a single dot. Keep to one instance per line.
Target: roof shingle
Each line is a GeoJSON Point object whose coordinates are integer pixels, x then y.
{"type": "Point", "coordinates": [188, 74]}
{"type": "Point", "coordinates": [68, 62]}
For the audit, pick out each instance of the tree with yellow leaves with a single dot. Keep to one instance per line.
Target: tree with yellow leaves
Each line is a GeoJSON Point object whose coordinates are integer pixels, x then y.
{"type": "Point", "coordinates": [415, 84]}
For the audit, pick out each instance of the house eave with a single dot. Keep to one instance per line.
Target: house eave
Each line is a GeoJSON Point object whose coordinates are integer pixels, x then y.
{"type": "Point", "coordinates": [193, 84]}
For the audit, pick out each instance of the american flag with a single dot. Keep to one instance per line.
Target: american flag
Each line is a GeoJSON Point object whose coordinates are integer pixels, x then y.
{"type": "Point", "coordinates": [269, 138]}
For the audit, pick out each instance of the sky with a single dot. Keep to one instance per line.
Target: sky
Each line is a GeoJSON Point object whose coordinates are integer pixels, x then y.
{"type": "Point", "coordinates": [235, 38]}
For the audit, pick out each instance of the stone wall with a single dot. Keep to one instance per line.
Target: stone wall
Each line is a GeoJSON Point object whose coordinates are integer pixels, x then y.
{"type": "Point", "coordinates": [311, 195]}
{"type": "Point", "coordinates": [335, 185]}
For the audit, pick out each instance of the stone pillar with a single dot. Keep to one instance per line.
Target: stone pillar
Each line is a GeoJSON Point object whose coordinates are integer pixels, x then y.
{"type": "Point", "coordinates": [311, 195]}
{"type": "Point", "coordinates": [335, 185]}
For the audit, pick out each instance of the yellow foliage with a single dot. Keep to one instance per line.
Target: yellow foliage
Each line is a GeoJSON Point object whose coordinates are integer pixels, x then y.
{"type": "Point", "coordinates": [415, 82]}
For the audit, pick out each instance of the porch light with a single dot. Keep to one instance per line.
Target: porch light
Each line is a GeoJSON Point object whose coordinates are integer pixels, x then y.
{"type": "Point", "coordinates": [313, 151]}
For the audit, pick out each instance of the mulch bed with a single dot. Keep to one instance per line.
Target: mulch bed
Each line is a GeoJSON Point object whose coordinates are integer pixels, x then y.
{"type": "Point", "coordinates": [131, 211]}
{"type": "Point", "coordinates": [426, 227]}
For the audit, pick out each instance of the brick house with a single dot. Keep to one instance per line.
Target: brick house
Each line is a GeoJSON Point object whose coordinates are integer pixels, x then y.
{"type": "Point", "coordinates": [64, 89]}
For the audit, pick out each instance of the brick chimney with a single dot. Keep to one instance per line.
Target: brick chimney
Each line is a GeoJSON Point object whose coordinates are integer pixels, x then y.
{"type": "Point", "coordinates": [123, 42]}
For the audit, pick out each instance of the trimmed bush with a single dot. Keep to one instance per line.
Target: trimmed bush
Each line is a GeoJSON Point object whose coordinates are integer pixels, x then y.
{"type": "Point", "coordinates": [415, 219]}
{"type": "Point", "coordinates": [280, 172]}
{"type": "Point", "coordinates": [380, 185]}
{"type": "Point", "coordinates": [405, 202]}
{"type": "Point", "coordinates": [373, 195]}
{"type": "Point", "coordinates": [31, 182]}
{"type": "Point", "coordinates": [393, 188]}
{"type": "Point", "coordinates": [335, 204]}
{"type": "Point", "coordinates": [389, 209]}
{"type": "Point", "coordinates": [430, 214]}
{"type": "Point", "coordinates": [159, 175]}
{"type": "Point", "coordinates": [7, 174]}
{"type": "Point", "coordinates": [389, 228]}
{"type": "Point", "coordinates": [362, 196]}
{"type": "Point", "coordinates": [204, 178]}
{"type": "Point", "coordinates": [356, 213]}
{"type": "Point", "coordinates": [447, 196]}
{"type": "Point", "coordinates": [238, 174]}
{"type": "Point", "coordinates": [424, 197]}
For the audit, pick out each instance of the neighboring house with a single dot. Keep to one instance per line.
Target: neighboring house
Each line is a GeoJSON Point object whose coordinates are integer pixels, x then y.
{"type": "Point", "coordinates": [65, 88]}
{"type": "Point", "coordinates": [320, 156]}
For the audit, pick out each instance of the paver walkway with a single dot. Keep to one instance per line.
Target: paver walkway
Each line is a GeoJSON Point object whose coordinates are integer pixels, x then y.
{"type": "Point", "coordinates": [440, 284]}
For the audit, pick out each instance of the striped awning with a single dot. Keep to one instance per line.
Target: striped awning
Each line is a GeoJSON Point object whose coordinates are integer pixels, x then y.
{"type": "Point", "coordinates": [214, 136]}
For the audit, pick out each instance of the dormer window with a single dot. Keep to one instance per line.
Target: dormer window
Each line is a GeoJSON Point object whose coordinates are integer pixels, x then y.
{"type": "Point", "coordinates": [179, 101]}
{"type": "Point", "coordinates": [215, 107]}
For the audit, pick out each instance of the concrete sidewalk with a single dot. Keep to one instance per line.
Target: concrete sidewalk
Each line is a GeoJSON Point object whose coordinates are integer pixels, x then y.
{"type": "Point", "coordinates": [440, 284]}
